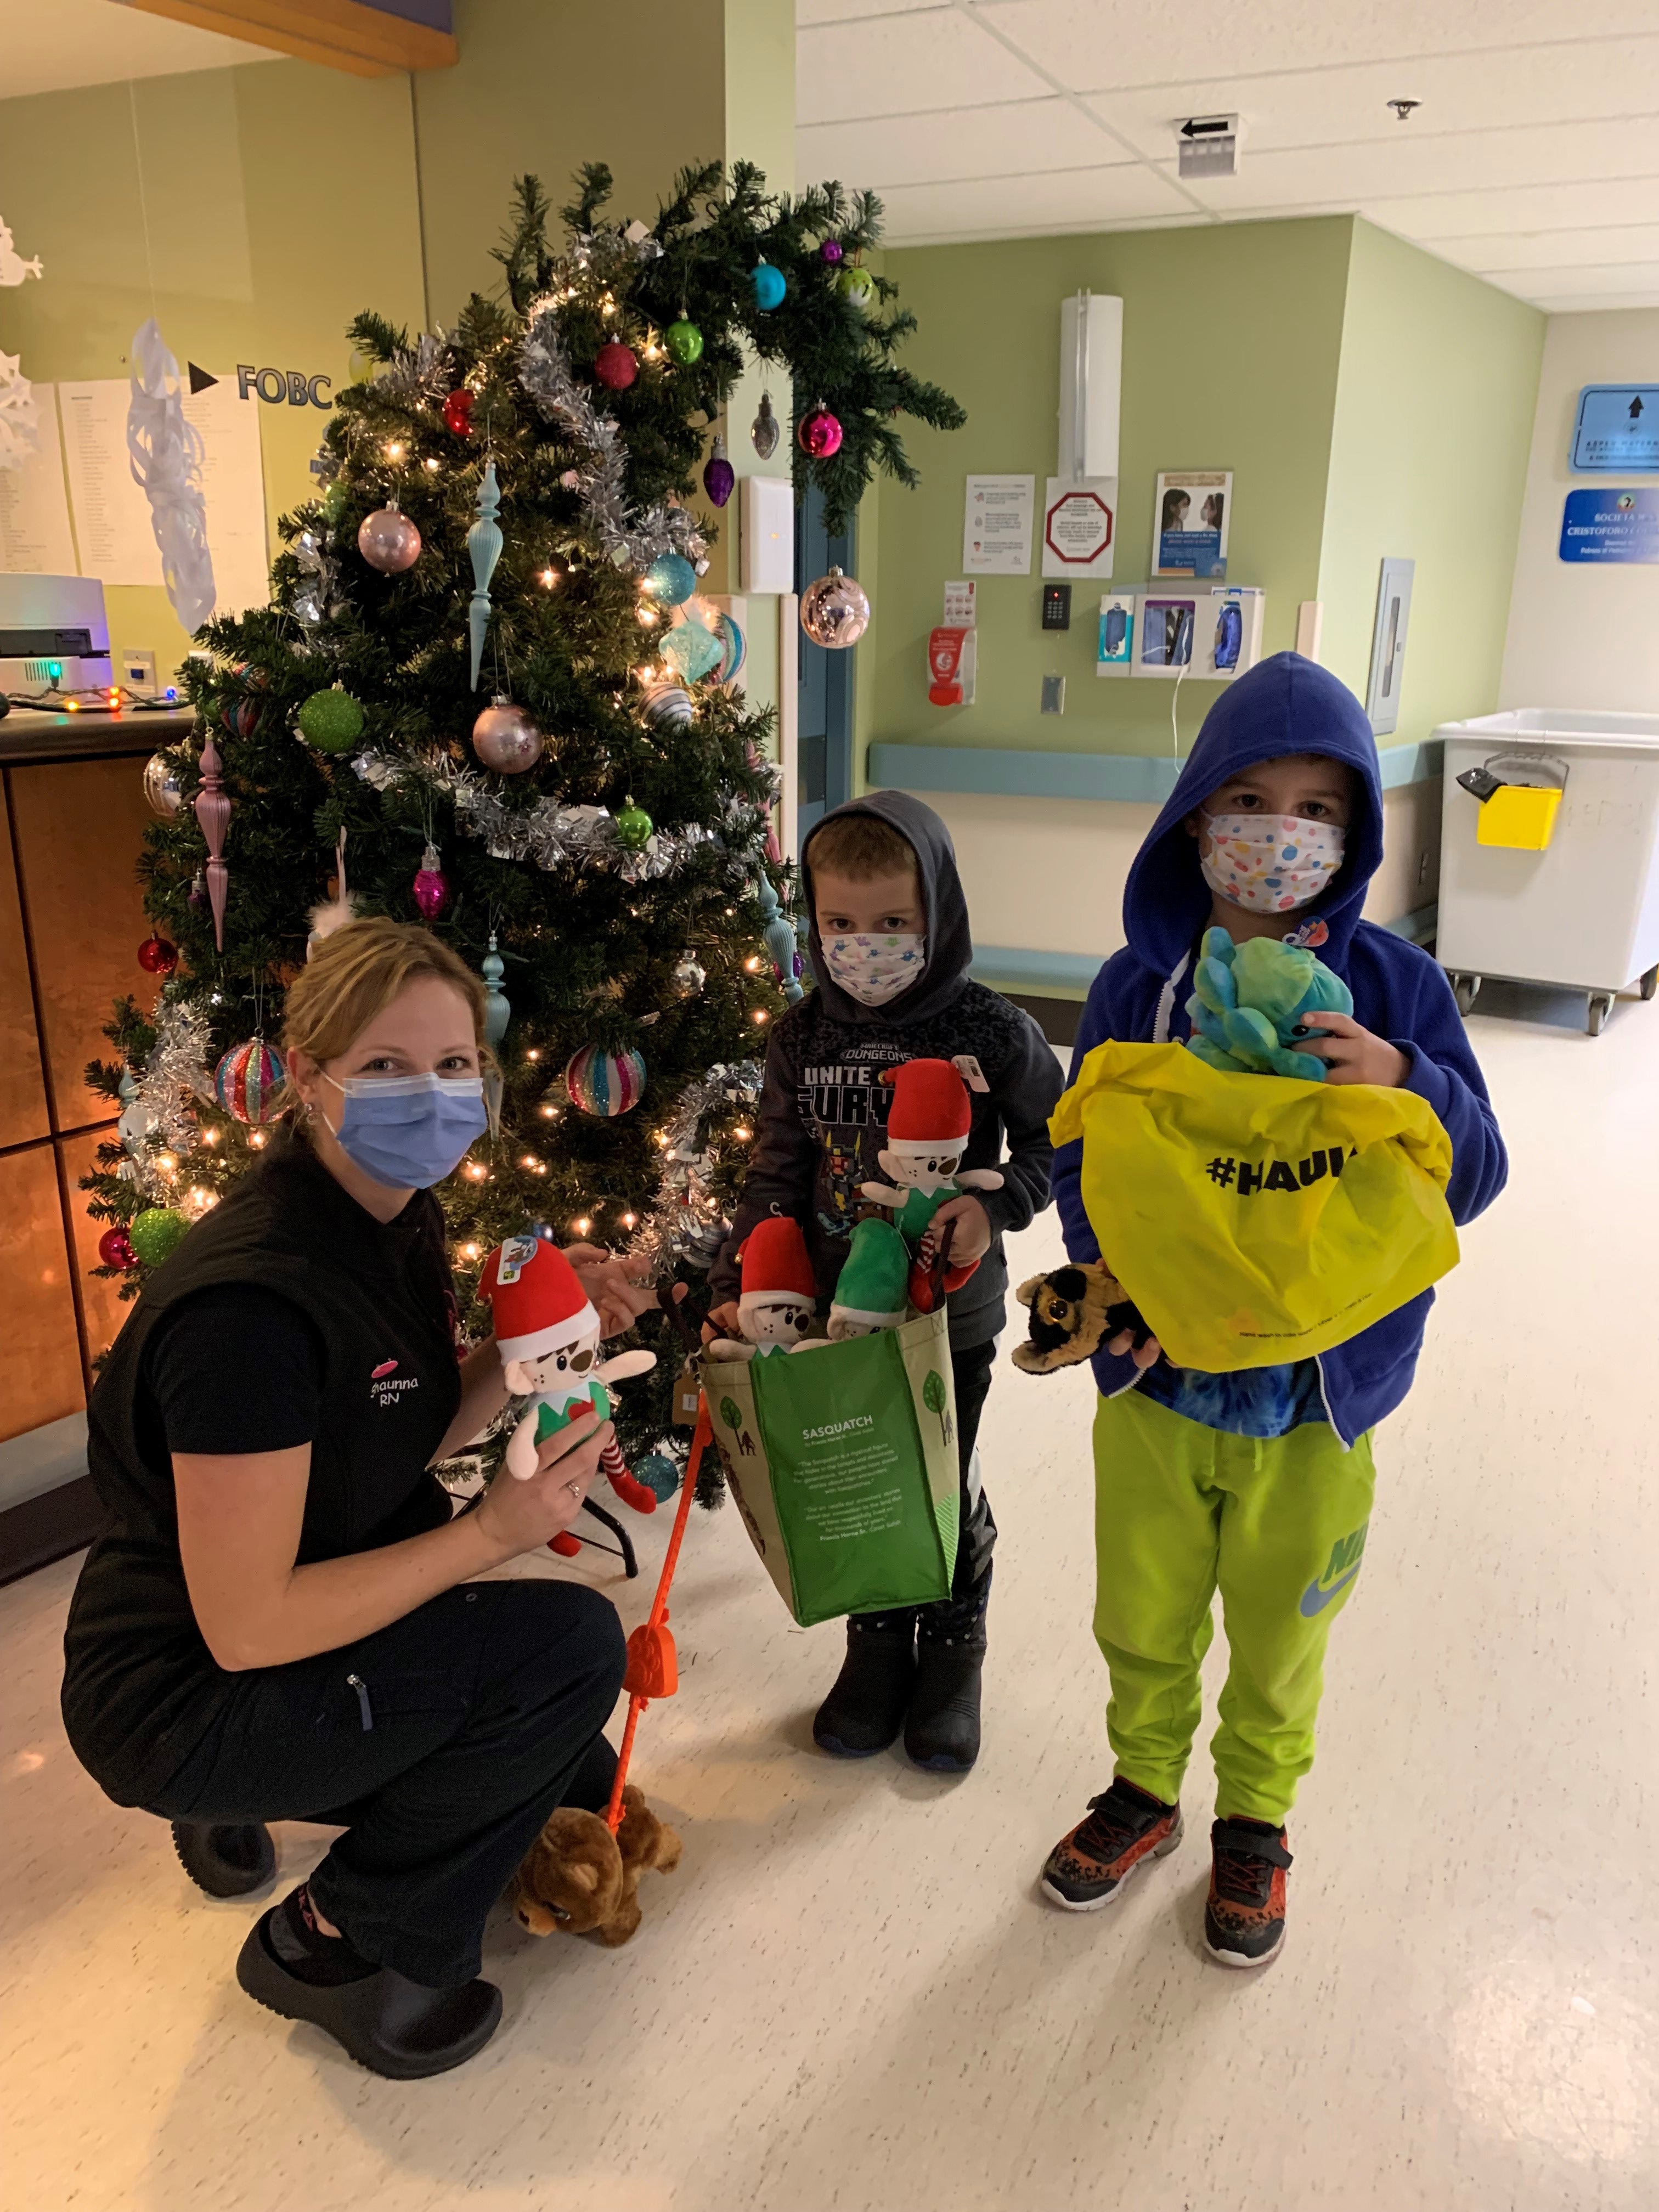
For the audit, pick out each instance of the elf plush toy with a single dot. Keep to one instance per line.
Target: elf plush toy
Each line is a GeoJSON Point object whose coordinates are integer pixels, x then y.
{"type": "Point", "coordinates": [927, 1127]}
{"type": "Point", "coordinates": [1251, 1002]}
{"type": "Point", "coordinates": [870, 1291]}
{"type": "Point", "coordinates": [548, 1335]}
{"type": "Point", "coordinates": [774, 1311]}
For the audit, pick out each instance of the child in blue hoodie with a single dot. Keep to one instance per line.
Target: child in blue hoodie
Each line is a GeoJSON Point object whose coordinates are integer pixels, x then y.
{"type": "Point", "coordinates": [1257, 1483]}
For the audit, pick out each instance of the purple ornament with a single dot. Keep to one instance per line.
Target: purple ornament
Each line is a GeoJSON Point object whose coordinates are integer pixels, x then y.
{"type": "Point", "coordinates": [831, 251]}
{"type": "Point", "coordinates": [719, 477]}
{"type": "Point", "coordinates": [431, 888]}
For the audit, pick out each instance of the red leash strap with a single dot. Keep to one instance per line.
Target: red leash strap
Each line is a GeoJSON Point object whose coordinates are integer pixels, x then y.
{"type": "Point", "coordinates": [653, 1669]}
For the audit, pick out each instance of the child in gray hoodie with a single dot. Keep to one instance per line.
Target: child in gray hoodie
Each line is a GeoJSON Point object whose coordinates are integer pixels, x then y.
{"type": "Point", "coordinates": [890, 951]}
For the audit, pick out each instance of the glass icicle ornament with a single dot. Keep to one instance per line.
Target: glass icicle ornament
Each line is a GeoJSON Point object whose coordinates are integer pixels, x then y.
{"type": "Point", "coordinates": [778, 935]}
{"type": "Point", "coordinates": [484, 549]}
{"type": "Point", "coordinates": [498, 1014]}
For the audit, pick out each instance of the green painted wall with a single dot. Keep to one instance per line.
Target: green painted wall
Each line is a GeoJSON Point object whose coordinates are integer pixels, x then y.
{"type": "Point", "coordinates": [1435, 399]}
{"type": "Point", "coordinates": [1232, 340]}
{"type": "Point", "coordinates": [280, 198]}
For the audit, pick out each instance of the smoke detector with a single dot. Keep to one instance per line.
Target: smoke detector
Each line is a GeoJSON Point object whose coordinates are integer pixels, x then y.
{"type": "Point", "coordinates": [1208, 146]}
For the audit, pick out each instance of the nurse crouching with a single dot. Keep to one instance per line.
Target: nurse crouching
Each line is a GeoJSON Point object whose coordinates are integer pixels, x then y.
{"type": "Point", "coordinates": [280, 1622]}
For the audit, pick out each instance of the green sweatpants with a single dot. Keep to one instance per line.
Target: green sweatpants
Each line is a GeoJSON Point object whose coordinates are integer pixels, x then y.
{"type": "Point", "coordinates": [1278, 1525]}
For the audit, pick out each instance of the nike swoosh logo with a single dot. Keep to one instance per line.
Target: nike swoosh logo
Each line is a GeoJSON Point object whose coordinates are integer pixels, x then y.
{"type": "Point", "coordinates": [1315, 1600]}
{"type": "Point", "coordinates": [385, 1367]}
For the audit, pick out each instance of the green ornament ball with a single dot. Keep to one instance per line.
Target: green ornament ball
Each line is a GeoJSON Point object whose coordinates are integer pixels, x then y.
{"type": "Point", "coordinates": [857, 285]}
{"type": "Point", "coordinates": [331, 720]}
{"type": "Point", "coordinates": [334, 500]}
{"type": "Point", "coordinates": [157, 1234]}
{"type": "Point", "coordinates": [634, 828]}
{"type": "Point", "coordinates": [685, 342]}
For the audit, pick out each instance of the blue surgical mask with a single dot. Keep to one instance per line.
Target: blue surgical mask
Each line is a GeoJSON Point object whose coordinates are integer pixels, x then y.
{"type": "Point", "coordinates": [409, 1131]}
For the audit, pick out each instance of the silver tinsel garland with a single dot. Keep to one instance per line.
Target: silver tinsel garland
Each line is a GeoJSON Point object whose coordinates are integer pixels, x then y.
{"type": "Point", "coordinates": [553, 835]}
{"type": "Point", "coordinates": [158, 1105]}
{"type": "Point", "coordinates": [688, 1223]}
{"type": "Point", "coordinates": [417, 374]}
{"type": "Point", "coordinates": [633, 538]}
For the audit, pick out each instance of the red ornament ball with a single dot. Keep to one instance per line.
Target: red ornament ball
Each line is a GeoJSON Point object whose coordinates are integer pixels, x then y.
{"type": "Point", "coordinates": [458, 412]}
{"type": "Point", "coordinates": [820, 434]}
{"type": "Point", "coordinates": [156, 956]}
{"type": "Point", "coordinates": [615, 365]}
{"type": "Point", "coordinates": [247, 1081]}
{"type": "Point", "coordinates": [115, 1249]}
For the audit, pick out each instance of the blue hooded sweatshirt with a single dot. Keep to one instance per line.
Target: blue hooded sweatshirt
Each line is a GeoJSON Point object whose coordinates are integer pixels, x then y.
{"type": "Point", "coordinates": [1289, 705]}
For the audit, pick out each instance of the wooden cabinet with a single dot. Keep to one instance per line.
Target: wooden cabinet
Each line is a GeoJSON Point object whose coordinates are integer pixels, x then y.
{"type": "Point", "coordinates": [72, 817]}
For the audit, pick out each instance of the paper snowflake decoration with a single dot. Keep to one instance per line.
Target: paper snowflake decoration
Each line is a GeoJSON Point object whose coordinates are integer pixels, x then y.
{"type": "Point", "coordinates": [19, 434]}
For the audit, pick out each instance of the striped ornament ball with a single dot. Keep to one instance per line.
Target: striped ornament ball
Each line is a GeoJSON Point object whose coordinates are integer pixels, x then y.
{"type": "Point", "coordinates": [247, 1081]}
{"type": "Point", "coordinates": [604, 1083]}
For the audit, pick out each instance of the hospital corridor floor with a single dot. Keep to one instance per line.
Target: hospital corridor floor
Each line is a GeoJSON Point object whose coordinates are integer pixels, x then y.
{"type": "Point", "coordinates": [851, 1995]}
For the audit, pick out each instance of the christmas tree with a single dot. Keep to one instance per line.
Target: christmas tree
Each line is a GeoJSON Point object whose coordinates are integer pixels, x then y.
{"type": "Point", "coordinates": [486, 692]}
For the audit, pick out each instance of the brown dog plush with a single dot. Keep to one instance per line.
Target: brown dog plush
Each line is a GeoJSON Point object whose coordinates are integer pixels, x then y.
{"type": "Point", "coordinates": [577, 1877]}
{"type": "Point", "coordinates": [1074, 1311]}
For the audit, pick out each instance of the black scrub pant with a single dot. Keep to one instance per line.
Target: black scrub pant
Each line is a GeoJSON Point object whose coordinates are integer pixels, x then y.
{"type": "Point", "coordinates": [442, 1742]}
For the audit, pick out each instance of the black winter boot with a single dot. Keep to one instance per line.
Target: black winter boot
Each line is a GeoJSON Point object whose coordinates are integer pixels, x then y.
{"type": "Point", "coordinates": [226, 1858]}
{"type": "Point", "coordinates": [866, 1710]}
{"type": "Point", "coordinates": [941, 1729]}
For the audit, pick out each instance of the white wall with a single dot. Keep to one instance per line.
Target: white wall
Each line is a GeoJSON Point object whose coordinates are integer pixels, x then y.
{"type": "Point", "coordinates": [1580, 635]}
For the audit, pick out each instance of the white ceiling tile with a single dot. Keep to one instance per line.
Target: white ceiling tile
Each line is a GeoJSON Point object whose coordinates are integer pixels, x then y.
{"type": "Point", "coordinates": [808, 12]}
{"type": "Point", "coordinates": [1522, 208]}
{"type": "Point", "coordinates": [1536, 86]}
{"type": "Point", "coordinates": [979, 143]}
{"type": "Point", "coordinates": [1575, 281]}
{"type": "Point", "coordinates": [1520, 252]}
{"type": "Point", "coordinates": [1084, 199]}
{"type": "Point", "coordinates": [1125, 42]}
{"type": "Point", "coordinates": [1567, 305]}
{"type": "Point", "coordinates": [899, 64]}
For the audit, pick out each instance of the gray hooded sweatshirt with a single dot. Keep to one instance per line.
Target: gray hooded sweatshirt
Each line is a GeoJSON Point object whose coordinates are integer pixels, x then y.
{"type": "Point", "coordinates": [823, 1108]}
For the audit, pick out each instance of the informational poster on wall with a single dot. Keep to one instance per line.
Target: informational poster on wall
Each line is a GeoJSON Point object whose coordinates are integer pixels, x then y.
{"type": "Point", "coordinates": [1079, 526]}
{"type": "Point", "coordinates": [996, 526]}
{"type": "Point", "coordinates": [35, 538]}
{"type": "Point", "coordinates": [1608, 526]}
{"type": "Point", "coordinates": [1191, 517]}
{"type": "Point", "coordinates": [111, 515]}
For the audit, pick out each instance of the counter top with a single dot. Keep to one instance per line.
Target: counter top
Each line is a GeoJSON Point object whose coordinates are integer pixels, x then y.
{"type": "Point", "coordinates": [30, 735]}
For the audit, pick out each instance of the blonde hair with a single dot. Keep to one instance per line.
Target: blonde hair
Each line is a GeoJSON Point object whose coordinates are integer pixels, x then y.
{"type": "Point", "coordinates": [355, 973]}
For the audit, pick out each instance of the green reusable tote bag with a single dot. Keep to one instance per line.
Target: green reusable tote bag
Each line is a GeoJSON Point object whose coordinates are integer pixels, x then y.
{"type": "Point", "coordinates": [842, 1461]}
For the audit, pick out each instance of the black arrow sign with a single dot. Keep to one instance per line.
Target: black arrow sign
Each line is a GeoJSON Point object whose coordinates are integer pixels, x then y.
{"type": "Point", "coordinates": [1636, 408]}
{"type": "Point", "coordinates": [199, 379]}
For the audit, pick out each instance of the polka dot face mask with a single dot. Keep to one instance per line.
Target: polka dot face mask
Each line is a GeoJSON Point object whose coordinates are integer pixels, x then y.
{"type": "Point", "coordinates": [875, 967]}
{"type": "Point", "coordinates": [1270, 863]}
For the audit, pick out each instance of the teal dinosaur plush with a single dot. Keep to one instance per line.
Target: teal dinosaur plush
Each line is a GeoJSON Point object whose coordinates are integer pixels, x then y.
{"type": "Point", "coordinates": [1249, 1000]}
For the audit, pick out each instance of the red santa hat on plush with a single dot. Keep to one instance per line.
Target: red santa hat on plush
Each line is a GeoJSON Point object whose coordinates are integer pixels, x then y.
{"type": "Point", "coordinates": [538, 1304]}
{"type": "Point", "coordinates": [777, 1269]}
{"type": "Point", "coordinates": [930, 1111]}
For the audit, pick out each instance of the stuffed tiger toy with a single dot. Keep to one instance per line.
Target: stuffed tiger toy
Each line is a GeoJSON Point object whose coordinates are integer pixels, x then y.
{"type": "Point", "coordinates": [1074, 1311]}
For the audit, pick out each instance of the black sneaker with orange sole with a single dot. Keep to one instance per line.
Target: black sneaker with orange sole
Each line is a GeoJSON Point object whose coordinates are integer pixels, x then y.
{"type": "Point", "coordinates": [1126, 1826]}
{"type": "Point", "coordinates": [1245, 1918]}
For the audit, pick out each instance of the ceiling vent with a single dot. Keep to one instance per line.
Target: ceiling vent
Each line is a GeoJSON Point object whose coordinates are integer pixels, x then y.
{"type": "Point", "coordinates": [1208, 146]}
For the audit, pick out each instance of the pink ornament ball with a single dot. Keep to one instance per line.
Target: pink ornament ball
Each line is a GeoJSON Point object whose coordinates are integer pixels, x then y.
{"type": "Point", "coordinates": [115, 1249]}
{"type": "Point", "coordinates": [505, 738]}
{"type": "Point", "coordinates": [605, 1083]}
{"type": "Point", "coordinates": [820, 434]}
{"type": "Point", "coordinates": [388, 540]}
{"type": "Point", "coordinates": [247, 1081]}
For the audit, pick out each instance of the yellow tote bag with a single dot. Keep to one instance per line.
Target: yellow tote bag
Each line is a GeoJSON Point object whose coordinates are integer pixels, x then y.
{"type": "Point", "coordinates": [1255, 1219]}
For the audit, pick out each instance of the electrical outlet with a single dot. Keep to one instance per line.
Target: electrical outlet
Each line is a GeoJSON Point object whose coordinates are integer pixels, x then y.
{"type": "Point", "coordinates": [138, 669]}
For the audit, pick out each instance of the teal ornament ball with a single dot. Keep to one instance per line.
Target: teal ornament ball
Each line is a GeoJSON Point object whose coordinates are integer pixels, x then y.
{"type": "Point", "coordinates": [770, 286]}
{"type": "Point", "coordinates": [157, 1234]}
{"type": "Point", "coordinates": [692, 651]}
{"type": "Point", "coordinates": [605, 1083]}
{"type": "Point", "coordinates": [685, 342]}
{"type": "Point", "coordinates": [331, 720]}
{"type": "Point", "coordinates": [659, 1474]}
{"type": "Point", "coordinates": [671, 579]}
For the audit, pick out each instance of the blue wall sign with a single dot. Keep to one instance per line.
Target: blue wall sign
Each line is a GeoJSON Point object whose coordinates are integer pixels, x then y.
{"type": "Point", "coordinates": [1616, 432]}
{"type": "Point", "coordinates": [1610, 526]}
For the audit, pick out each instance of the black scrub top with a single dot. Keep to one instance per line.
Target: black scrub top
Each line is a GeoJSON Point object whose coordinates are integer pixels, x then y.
{"type": "Point", "coordinates": [288, 1315]}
